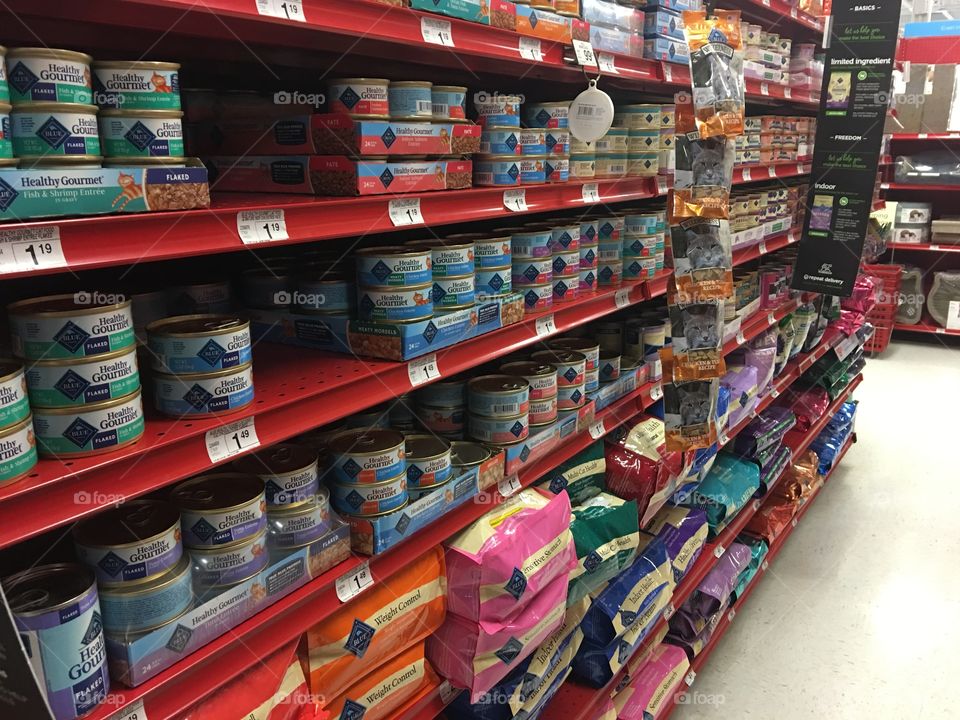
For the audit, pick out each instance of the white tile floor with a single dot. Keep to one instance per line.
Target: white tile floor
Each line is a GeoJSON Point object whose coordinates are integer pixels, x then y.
{"type": "Point", "coordinates": [859, 616]}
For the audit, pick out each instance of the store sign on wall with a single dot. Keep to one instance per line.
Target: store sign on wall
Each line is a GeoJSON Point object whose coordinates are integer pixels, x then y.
{"type": "Point", "coordinates": [853, 106]}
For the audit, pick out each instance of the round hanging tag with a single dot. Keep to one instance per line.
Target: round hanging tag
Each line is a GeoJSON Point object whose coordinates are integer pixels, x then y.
{"type": "Point", "coordinates": [591, 114]}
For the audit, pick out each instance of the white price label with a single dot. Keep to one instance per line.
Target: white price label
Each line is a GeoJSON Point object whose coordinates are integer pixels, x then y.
{"type": "Point", "coordinates": [764, 88]}
{"type": "Point", "coordinates": [597, 430]}
{"type": "Point", "coordinates": [546, 326]}
{"type": "Point", "coordinates": [766, 3]}
{"type": "Point", "coordinates": [515, 200]}
{"type": "Point", "coordinates": [756, 505]}
{"type": "Point", "coordinates": [261, 226]}
{"type": "Point", "coordinates": [787, 93]}
{"type": "Point", "coordinates": [607, 64]}
{"type": "Point", "coordinates": [134, 712]}
{"type": "Point", "coordinates": [689, 678]}
{"type": "Point", "coordinates": [584, 53]}
{"type": "Point", "coordinates": [793, 523]}
{"type": "Point", "coordinates": [774, 393]}
{"type": "Point", "coordinates": [656, 392]}
{"type": "Point", "coordinates": [764, 565]}
{"type": "Point", "coordinates": [771, 318]}
{"type": "Point", "coordinates": [740, 338]}
{"type": "Point", "coordinates": [793, 13]}
{"type": "Point", "coordinates": [509, 486]}
{"type": "Point", "coordinates": [847, 345]}
{"type": "Point", "coordinates": [657, 367]}
{"type": "Point", "coordinates": [405, 212]}
{"type": "Point", "coordinates": [771, 171]}
{"type": "Point", "coordinates": [718, 551]}
{"type": "Point", "coordinates": [884, 186]}
{"type": "Point", "coordinates": [668, 611]}
{"type": "Point", "coordinates": [723, 439]}
{"type": "Point", "coordinates": [745, 173]}
{"type": "Point", "coordinates": [448, 692]}
{"type": "Point", "coordinates": [622, 298]}
{"type": "Point", "coordinates": [800, 169]}
{"type": "Point", "coordinates": [667, 72]}
{"type": "Point", "coordinates": [436, 31]}
{"type": "Point", "coordinates": [731, 615]}
{"type": "Point", "coordinates": [763, 247]}
{"type": "Point", "coordinates": [662, 186]}
{"type": "Point", "coordinates": [423, 369]}
{"type": "Point", "coordinates": [25, 249]}
{"type": "Point", "coordinates": [791, 238]}
{"type": "Point", "coordinates": [231, 439]}
{"type": "Point", "coordinates": [935, 247]}
{"type": "Point", "coordinates": [354, 582]}
{"type": "Point", "coordinates": [953, 315]}
{"type": "Point", "coordinates": [530, 48]}
{"type": "Point", "coordinates": [590, 193]}
{"type": "Point", "coordinates": [286, 9]}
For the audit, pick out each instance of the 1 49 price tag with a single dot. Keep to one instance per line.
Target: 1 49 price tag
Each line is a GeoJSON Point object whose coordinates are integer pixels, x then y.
{"type": "Point", "coordinates": [134, 712]}
{"type": "Point", "coordinates": [584, 53]}
{"type": "Point", "coordinates": [590, 193]}
{"type": "Point", "coordinates": [405, 212]}
{"type": "Point", "coordinates": [509, 485]}
{"type": "Point", "coordinates": [261, 226]}
{"type": "Point", "coordinates": [232, 439]}
{"type": "Point", "coordinates": [436, 31]}
{"type": "Point", "coordinates": [546, 326]}
{"type": "Point", "coordinates": [530, 48]}
{"type": "Point", "coordinates": [354, 582]}
{"type": "Point", "coordinates": [26, 249]}
{"type": "Point", "coordinates": [515, 200]}
{"type": "Point", "coordinates": [424, 369]}
{"type": "Point", "coordinates": [286, 9]}
{"type": "Point", "coordinates": [597, 430]}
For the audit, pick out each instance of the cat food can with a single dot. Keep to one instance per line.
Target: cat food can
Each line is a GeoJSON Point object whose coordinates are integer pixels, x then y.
{"type": "Point", "coordinates": [14, 405]}
{"type": "Point", "coordinates": [581, 147]}
{"type": "Point", "coordinates": [557, 142]}
{"type": "Point", "coordinates": [615, 141]}
{"type": "Point", "coordinates": [448, 102]}
{"type": "Point", "coordinates": [643, 164]}
{"type": "Point", "coordinates": [394, 266]}
{"type": "Point", "coordinates": [607, 251]}
{"type": "Point", "coordinates": [294, 526]}
{"type": "Point", "coordinates": [289, 472]}
{"type": "Point", "coordinates": [465, 455]}
{"type": "Point", "coordinates": [499, 430]}
{"type": "Point", "coordinates": [18, 450]}
{"type": "Point", "coordinates": [359, 97]}
{"type": "Point", "coordinates": [571, 397]}
{"type": "Point", "coordinates": [59, 327]}
{"type": "Point", "coordinates": [570, 365]}
{"type": "Point", "coordinates": [494, 280]}
{"type": "Point", "coordinates": [449, 259]}
{"type": "Point", "coordinates": [609, 335]}
{"type": "Point", "coordinates": [537, 297]}
{"type": "Point", "coordinates": [543, 410]}
{"type": "Point", "coordinates": [609, 366]}
{"type": "Point", "coordinates": [45, 75]}
{"type": "Point", "coordinates": [220, 508]}
{"type": "Point", "coordinates": [6, 147]}
{"type": "Point", "coordinates": [226, 565]}
{"type": "Point", "coordinates": [445, 421]}
{"type": "Point", "coordinates": [588, 256]}
{"type": "Point", "coordinates": [454, 292]}
{"type": "Point", "coordinates": [566, 288]}
{"type": "Point", "coordinates": [492, 252]}
{"type": "Point", "coordinates": [396, 304]}
{"type": "Point", "coordinates": [583, 166]}
{"type": "Point", "coordinates": [445, 393]}
{"type": "Point", "coordinates": [588, 281]}
{"type": "Point", "coordinates": [532, 170]}
{"type": "Point", "coordinates": [57, 614]}
{"type": "Point", "coordinates": [410, 100]}
{"type": "Point", "coordinates": [566, 264]}
{"type": "Point", "coordinates": [533, 271]}
{"type": "Point", "coordinates": [565, 237]}
{"type": "Point", "coordinates": [541, 376]}
{"type": "Point", "coordinates": [500, 141]}
{"type": "Point", "coordinates": [590, 349]}
{"type": "Point", "coordinates": [641, 140]}
{"type": "Point", "coordinates": [428, 461]}
{"type": "Point", "coordinates": [266, 287]}
{"type": "Point", "coordinates": [136, 541]}
{"type": "Point", "coordinates": [141, 133]}
{"type": "Point", "coordinates": [527, 244]}
{"type": "Point", "coordinates": [531, 141]}
{"type": "Point", "coordinates": [67, 383]}
{"type": "Point", "coordinates": [199, 343]}
{"type": "Point", "coordinates": [89, 429]}
{"type": "Point", "coordinates": [633, 268]}
{"type": "Point", "coordinates": [638, 246]}
{"type": "Point", "coordinates": [668, 116]}
{"type": "Point", "coordinates": [200, 298]}
{"type": "Point", "coordinates": [498, 396]}
{"type": "Point", "coordinates": [129, 609]}
{"type": "Point", "coordinates": [496, 110]}
{"type": "Point", "coordinates": [497, 171]}
{"type": "Point", "coordinates": [418, 493]}
{"type": "Point", "coordinates": [589, 232]}
{"type": "Point", "coordinates": [639, 117]}
{"type": "Point", "coordinates": [611, 165]}
{"type": "Point", "coordinates": [547, 114]}
{"type": "Point", "coordinates": [366, 456]}
{"type": "Point", "coordinates": [135, 85]}
{"type": "Point", "coordinates": [45, 129]}
{"type": "Point", "coordinates": [204, 394]}
{"type": "Point", "coordinates": [324, 293]}
{"type": "Point", "coordinates": [591, 380]}
{"type": "Point", "coordinates": [371, 500]}
{"type": "Point", "coordinates": [557, 169]}
{"type": "Point", "coordinates": [609, 228]}
{"type": "Point", "coordinates": [609, 272]}
{"type": "Point", "coordinates": [377, 416]}
{"type": "Point", "coordinates": [641, 223]}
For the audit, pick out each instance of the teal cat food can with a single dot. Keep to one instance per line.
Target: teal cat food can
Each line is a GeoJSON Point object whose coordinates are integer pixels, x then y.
{"type": "Point", "coordinates": [66, 383]}
{"type": "Point", "coordinates": [141, 133]}
{"type": "Point", "coordinates": [57, 613]}
{"type": "Point", "coordinates": [204, 394]}
{"type": "Point", "coordinates": [89, 429]}
{"type": "Point", "coordinates": [453, 292]}
{"type": "Point", "coordinates": [6, 144]}
{"type": "Point", "coordinates": [14, 406]}
{"type": "Point", "coordinates": [45, 75]}
{"type": "Point", "coordinates": [44, 129]}
{"type": "Point", "coordinates": [133, 85]}
{"type": "Point", "coordinates": [129, 609]}
{"type": "Point", "coordinates": [637, 246]}
{"type": "Point", "coordinates": [18, 450]}
{"type": "Point", "coordinates": [396, 304]}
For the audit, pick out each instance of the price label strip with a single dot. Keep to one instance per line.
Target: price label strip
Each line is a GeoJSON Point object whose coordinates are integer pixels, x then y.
{"type": "Point", "coordinates": [25, 249]}
{"type": "Point", "coordinates": [354, 582]}
{"type": "Point", "coordinates": [261, 226]}
{"type": "Point", "coordinates": [423, 369]}
{"type": "Point", "coordinates": [515, 200]}
{"type": "Point", "coordinates": [286, 9]}
{"type": "Point", "coordinates": [530, 49]}
{"type": "Point", "coordinates": [232, 439]}
{"type": "Point", "coordinates": [405, 212]}
{"type": "Point", "coordinates": [656, 392]}
{"type": "Point", "coordinates": [546, 326]}
{"type": "Point", "coordinates": [436, 31]}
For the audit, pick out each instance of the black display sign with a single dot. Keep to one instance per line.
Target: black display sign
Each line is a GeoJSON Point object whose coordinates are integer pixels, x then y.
{"type": "Point", "coordinates": [853, 106]}
{"type": "Point", "coordinates": [20, 695]}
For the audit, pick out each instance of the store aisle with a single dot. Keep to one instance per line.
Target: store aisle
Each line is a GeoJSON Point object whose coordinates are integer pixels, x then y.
{"type": "Point", "coordinates": [858, 615]}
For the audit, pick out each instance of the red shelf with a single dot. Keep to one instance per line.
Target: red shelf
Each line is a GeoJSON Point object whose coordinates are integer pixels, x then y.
{"type": "Point", "coordinates": [926, 247]}
{"type": "Point", "coordinates": [928, 326]}
{"type": "Point", "coordinates": [779, 16]}
{"type": "Point", "coordinates": [912, 187]}
{"type": "Point", "coordinates": [925, 136]}
{"type": "Point", "coordinates": [767, 245]}
{"type": "Point", "coordinates": [757, 323]}
{"type": "Point", "coordinates": [760, 173]}
{"type": "Point", "coordinates": [167, 695]}
{"type": "Point", "coordinates": [679, 75]}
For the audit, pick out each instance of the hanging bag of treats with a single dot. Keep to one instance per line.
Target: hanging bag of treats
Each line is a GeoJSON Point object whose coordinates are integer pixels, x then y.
{"type": "Point", "coordinates": [696, 348]}
{"type": "Point", "coordinates": [689, 414]}
{"type": "Point", "coordinates": [704, 168]}
{"type": "Point", "coordinates": [702, 259]}
{"type": "Point", "coordinates": [716, 70]}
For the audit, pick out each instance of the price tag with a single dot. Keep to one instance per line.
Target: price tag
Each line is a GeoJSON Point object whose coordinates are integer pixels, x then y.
{"type": "Point", "coordinates": [800, 169]}
{"type": "Point", "coordinates": [448, 692]}
{"type": "Point", "coordinates": [847, 345]}
{"type": "Point", "coordinates": [787, 93]}
{"type": "Point", "coordinates": [764, 88]}
{"type": "Point", "coordinates": [766, 3]}
{"type": "Point", "coordinates": [134, 712]}
{"type": "Point", "coordinates": [584, 53]}
{"type": "Point", "coordinates": [731, 615]}
{"type": "Point", "coordinates": [423, 369]}
{"type": "Point", "coordinates": [261, 226]}
{"type": "Point", "coordinates": [935, 248]}
{"type": "Point", "coordinates": [793, 13]}
{"type": "Point", "coordinates": [718, 551]}
{"type": "Point", "coordinates": [941, 331]}
{"type": "Point", "coordinates": [231, 439]}
{"type": "Point", "coordinates": [530, 48]}
{"type": "Point", "coordinates": [405, 212]}
{"type": "Point", "coordinates": [622, 298]}
{"type": "Point", "coordinates": [668, 611]}
{"type": "Point", "coordinates": [953, 316]}
{"type": "Point", "coordinates": [756, 505]}
{"type": "Point", "coordinates": [663, 187]}
{"type": "Point", "coordinates": [740, 338]}
{"type": "Point", "coordinates": [793, 523]}
{"type": "Point", "coordinates": [509, 485]}
{"type": "Point", "coordinates": [774, 393]}
{"type": "Point", "coordinates": [286, 9]}
{"type": "Point", "coordinates": [791, 238]}
{"type": "Point", "coordinates": [515, 200]}
{"type": "Point", "coordinates": [667, 72]}
{"type": "Point", "coordinates": [657, 367]}
{"type": "Point", "coordinates": [689, 678]}
{"type": "Point", "coordinates": [546, 326]}
{"type": "Point", "coordinates": [354, 582]}
{"type": "Point", "coordinates": [764, 565]}
{"type": "Point", "coordinates": [771, 318]}
{"type": "Point", "coordinates": [24, 249]}
{"type": "Point", "coordinates": [607, 64]}
{"type": "Point", "coordinates": [745, 173]}
{"type": "Point", "coordinates": [590, 193]}
{"type": "Point", "coordinates": [884, 186]}
{"type": "Point", "coordinates": [763, 247]}
{"type": "Point", "coordinates": [656, 392]}
{"type": "Point", "coordinates": [771, 171]}
{"type": "Point", "coordinates": [436, 31]}
{"type": "Point", "coordinates": [597, 430]}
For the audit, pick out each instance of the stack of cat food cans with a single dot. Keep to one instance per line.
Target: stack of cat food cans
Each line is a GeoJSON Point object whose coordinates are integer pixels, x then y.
{"type": "Point", "coordinates": [395, 284]}
{"type": "Point", "coordinates": [453, 269]}
{"type": "Point", "coordinates": [542, 379]}
{"type": "Point", "coordinates": [18, 449]}
{"type": "Point", "coordinates": [368, 472]}
{"type": "Point", "coordinates": [532, 252]}
{"type": "Point", "coordinates": [589, 255]}
{"type": "Point", "coordinates": [571, 367]}
{"type": "Point", "coordinates": [644, 243]}
{"type": "Point", "coordinates": [441, 408]}
{"type": "Point", "coordinates": [610, 250]}
{"type": "Point", "coordinates": [498, 409]}
{"type": "Point", "coordinates": [491, 259]}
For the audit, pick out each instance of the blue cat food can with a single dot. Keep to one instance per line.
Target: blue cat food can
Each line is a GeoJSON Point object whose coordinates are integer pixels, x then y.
{"type": "Point", "coordinates": [633, 268]}
{"type": "Point", "coordinates": [571, 397]}
{"type": "Point", "coordinates": [226, 565]}
{"type": "Point", "coordinates": [496, 110]}
{"type": "Point", "coordinates": [289, 473]}
{"type": "Point", "coordinates": [565, 236]}
{"type": "Point", "coordinates": [609, 252]}
{"type": "Point", "coordinates": [199, 343]}
{"type": "Point", "coordinates": [557, 169]}
{"type": "Point", "coordinates": [447, 421]}
{"type": "Point", "coordinates": [445, 393]}
{"type": "Point", "coordinates": [609, 228]}
{"type": "Point", "coordinates": [64, 383]}
{"type": "Point", "coordinates": [324, 292]}
{"type": "Point", "coordinates": [14, 405]}
{"type": "Point", "coordinates": [547, 114]}
{"type": "Point", "coordinates": [589, 232]}
{"type": "Point", "coordinates": [494, 281]}
{"type": "Point", "coordinates": [368, 455]}
{"type": "Point", "coordinates": [449, 102]}
{"type": "Point", "coordinates": [492, 252]}
{"type": "Point", "coordinates": [57, 613]}
{"type": "Point", "coordinates": [396, 266]}
{"type": "Point", "coordinates": [538, 297]}
{"type": "Point", "coordinates": [533, 271]}
{"type": "Point", "coordinates": [566, 264]}
{"type": "Point", "coordinates": [204, 394]}
{"type": "Point", "coordinates": [570, 364]}
{"type": "Point", "coordinates": [396, 304]}
{"type": "Point", "coordinates": [410, 100]}
{"type": "Point", "coordinates": [637, 246]}
{"type": "Point", "coordinates": [533, 170]}
{"type": "Point", "coordinates": [641, 223]}
{"type": "Point", "coordinates": [510, 141]}
{"type": "Point", "coordinates": [609, 366]}
{"type": "Point", "coordinates": [428, 461]}
{"type": "Point", "coordinates": [609, 272]}
{"type": "Point", "coordinates": [498, 396]}
{"type": "Point", "coordinates": [499, 430]}
{"type": "Point", "coordinates": [294, 526]}
{"type": "Point", "coordinates": [588, 256]}
{"type": "Point", "coordinates": [203, 298]}
{"type": "Point", "coordinates": [220, 508]}
{"type": "Point", "coordinates": [590, 349]}
{"type": "Point", "coordinates": [497, 171]}
{"type": "Point", "coordinates": [130, 609]}
{"type": "Point", "coordinates": [448, 258]}
{"type": "Point", "coordinates": [588, 280]}
{"type": "Point", "coordinates": [372, 499]}
{"type": "Point", "coordinates": [453, 292]}
{"type": "Point", "coordinates": [532, 141]}
{"type": "Point", "coordinates": [566, 289]}
{"type": "Point", "coordinates": [89, 429]}
{"type": "Point", "coordinates": [527, 243]}
{"type": "Point", "coordinates": [557, 142]}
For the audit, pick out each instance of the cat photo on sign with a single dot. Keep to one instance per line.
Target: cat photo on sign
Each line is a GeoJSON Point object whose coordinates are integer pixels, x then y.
{"type": "Point", "coordinates": [689, 414]}
{"type": "Point", "coordinates": [702, 259]}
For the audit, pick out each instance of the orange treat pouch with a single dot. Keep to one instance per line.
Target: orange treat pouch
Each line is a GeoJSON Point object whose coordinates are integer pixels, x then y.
{"type": "Point", "coordinates": [704, 168]}
{"type": "Point", "coordinates": [702, 260]}
{"type": "Point", "coordinates": [689, 414]}
{"type": "Point", "coordinates": [697, 344]}
{"type": "Point", "coordinates": [716, 70]}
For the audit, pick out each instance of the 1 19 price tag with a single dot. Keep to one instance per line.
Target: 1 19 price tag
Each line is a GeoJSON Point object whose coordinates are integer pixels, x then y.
{"type": "Point", "coordinates": [546, 326]}
{"type": "Point", "coordinates": [286, 9]}
{"type": "Point", "coordinates": [436, 31]}
{"type": "Point", "coordinates": [261, 226]}
{"type": "Point", "coordinates": [530, 48]}
{"type": "Point", "coordinates": [26, 249]}
{"type": "Point", "coordinates": [354, 582]}
{"type": "Point", "coordinates": [515, 200]}
{"type": "Point", "coordinates": [423, 369]}
{"type": "Point", "coordinates": [597, 430]}
{"type": "Point", "coordinates": [134, 712]}
{"type": "Point", "coordinates": [405, 212]}
{"type": "Point", "coordinates": [656, 392]}
{"type": "Point", "coordinates": [232, 439]}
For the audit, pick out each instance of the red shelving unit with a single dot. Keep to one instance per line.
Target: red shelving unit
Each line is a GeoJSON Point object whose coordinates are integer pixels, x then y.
{"type": "Point", "coordinates": [927, 326]}
{"type": "Point", "coordinates": [767, 245]}
{"type": "Point", "coordinates": [925, 136]}
{"type": "Point", "coordinates": [924, 247]}
{"type": "Point", "coordinates": [756, 91]}
{"type": "Point", "coordinates": [785, 18]}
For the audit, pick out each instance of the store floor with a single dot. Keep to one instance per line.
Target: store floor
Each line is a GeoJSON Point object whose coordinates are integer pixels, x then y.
{"type": "Point", "coordinates": [858, 615]}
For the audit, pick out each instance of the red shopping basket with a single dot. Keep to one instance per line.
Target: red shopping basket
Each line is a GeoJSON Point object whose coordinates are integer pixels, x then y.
{"type": "Point", "coordinates": [883, 316]}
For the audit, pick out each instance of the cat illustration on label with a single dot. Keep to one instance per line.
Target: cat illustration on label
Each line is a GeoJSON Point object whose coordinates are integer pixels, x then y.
{"type": "Point", "coordinates": [695, 403]}
{"type": "Point", "coordinates": [130, 190]}
{"type": "Point", "coordinates": [159, 83]}
{"type": "Point", "coordinates": [700, 326]}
